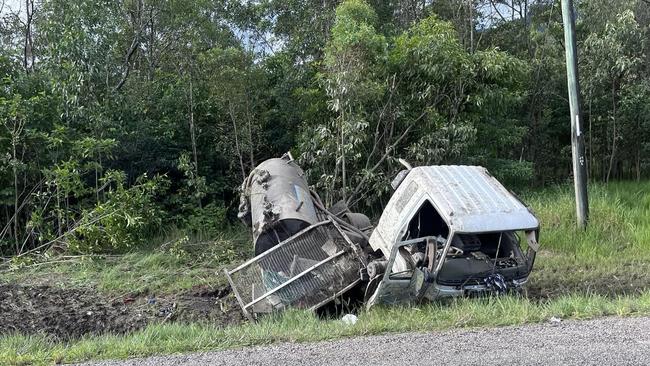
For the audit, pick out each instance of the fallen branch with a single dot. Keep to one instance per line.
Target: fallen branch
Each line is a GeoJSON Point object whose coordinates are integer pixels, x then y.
{"type": "Point", "coordinates": [62, 236]}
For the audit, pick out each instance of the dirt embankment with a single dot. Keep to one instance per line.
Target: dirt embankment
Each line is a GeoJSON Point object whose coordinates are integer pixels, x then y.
{"type": "Point", "coordinates": [75, 312]}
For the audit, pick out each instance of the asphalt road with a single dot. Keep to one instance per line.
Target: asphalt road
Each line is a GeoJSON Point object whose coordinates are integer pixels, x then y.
{"type": "Point", "coordinates": [609, 341]}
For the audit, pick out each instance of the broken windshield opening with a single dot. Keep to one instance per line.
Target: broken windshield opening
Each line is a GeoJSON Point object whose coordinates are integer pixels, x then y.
{"type": "Point", "coordinates": [472, 257]}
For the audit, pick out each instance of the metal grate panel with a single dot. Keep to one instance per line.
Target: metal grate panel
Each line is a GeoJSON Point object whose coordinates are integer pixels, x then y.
{"type": "Point", "coordinates": [303, 271]}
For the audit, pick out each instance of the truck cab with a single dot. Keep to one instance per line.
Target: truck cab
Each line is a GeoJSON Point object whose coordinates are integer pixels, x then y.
{"type": "Point", "coordinates": [450, 231]}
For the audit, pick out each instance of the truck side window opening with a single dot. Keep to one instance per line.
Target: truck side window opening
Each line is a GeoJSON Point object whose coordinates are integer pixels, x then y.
{"type": "Point", "coordinates": [426, 222]}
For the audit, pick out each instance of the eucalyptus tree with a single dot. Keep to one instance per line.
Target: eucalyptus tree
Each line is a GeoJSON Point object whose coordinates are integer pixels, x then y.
{"type": "Point", "coordinates": [418, 95]}
{"type": "Point", "coordinates": [615, 75]}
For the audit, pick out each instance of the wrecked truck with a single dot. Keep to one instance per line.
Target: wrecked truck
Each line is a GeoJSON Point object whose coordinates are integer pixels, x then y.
{"type": "Point", "coordinates": [446, 231]}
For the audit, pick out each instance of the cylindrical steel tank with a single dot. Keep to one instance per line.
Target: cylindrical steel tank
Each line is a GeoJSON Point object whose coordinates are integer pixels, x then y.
{"type": "Point", "coordinates": [276, 202]}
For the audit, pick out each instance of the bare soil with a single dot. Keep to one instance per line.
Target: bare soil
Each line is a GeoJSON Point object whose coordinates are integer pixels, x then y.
{"type": "Point", "coordinates": [597, 286]}
{"type": "Point", "coordinates": [74, 312]}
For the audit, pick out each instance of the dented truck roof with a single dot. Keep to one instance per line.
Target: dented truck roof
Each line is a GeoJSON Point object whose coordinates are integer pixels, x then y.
{"type": "Point", "coordinates": [468, 198]}
{"type": "Point", "coordinates": [472, 200]}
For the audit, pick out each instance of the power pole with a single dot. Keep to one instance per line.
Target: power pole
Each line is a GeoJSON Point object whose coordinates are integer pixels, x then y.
{"type": "Point", "coordinates": [577, 137]}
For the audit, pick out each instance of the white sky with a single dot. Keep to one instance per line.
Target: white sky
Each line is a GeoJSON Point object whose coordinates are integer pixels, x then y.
{"type": "Point", "coordinates": [9, 6]}
{"type": "Point", "coordinates": [18, 6]}
{"type": "Point", "coordinates": [14, 6]}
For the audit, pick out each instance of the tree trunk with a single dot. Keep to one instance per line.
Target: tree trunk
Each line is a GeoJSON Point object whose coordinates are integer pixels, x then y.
{"type": "Point", "coordinates": [100, 175]}
{"type": "Point", "coordinates": [193, 134]}
{"type": "Point", "coordinates": [8, 227]}
{"type": "Point", "coordinates": [638, 152]}
{"type": "Point", "coordinates": [638, 165]}
{"type": "Point", "coordinates": [192, 128]}
{"type": "Point", "coordinates": [15, 171]}
{"type": "Point", "coordinates": [591, 146]}
{"type": "Point", "coordinates": [250, 130]}
{"type": "Point", "coordinates": [343, 172]}
{"type": "Point", "coordinates": [471, 25]}
{"type": "Point", "coordinates": [237, 147]}
{"type": "Point", "coordinates": [613, 151]}
{"type": "Point", "coordinates": [58, 211]}
{"type": "Point", "coordinates": [28, 49]}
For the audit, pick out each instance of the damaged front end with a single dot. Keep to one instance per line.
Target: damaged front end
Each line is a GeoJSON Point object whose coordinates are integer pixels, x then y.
{"type": "Point", "coordinates": [451, 231]}
{"type": "Point", "coordinates": [437, 268]}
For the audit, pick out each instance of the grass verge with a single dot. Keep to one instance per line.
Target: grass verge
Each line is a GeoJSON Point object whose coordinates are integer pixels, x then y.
{"type": "Point", "coordinates": [300, 326]}
{"type": "Point", "coordinates": [179, 264]}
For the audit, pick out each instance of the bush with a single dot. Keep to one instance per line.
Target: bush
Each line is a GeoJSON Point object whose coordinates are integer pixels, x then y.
{"type": "Point", "coordinates": [208, 220]}
{"type": "Point", "coordinates": [126, 219]}
{"type": "Point", "coordinates": [512, 173]}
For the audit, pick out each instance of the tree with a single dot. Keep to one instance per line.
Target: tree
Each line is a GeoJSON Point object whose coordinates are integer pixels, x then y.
{"type": "Point", "coordinates": [614, 75]}
{"type": "Point", "coordinates": [418, 95]}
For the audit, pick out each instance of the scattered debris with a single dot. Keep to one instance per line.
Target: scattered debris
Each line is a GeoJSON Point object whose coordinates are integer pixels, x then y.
{"type": "Point", "coordinates": [496, 283]}
{"type": "Point", "coordinates": [170, 311]}
{"type": "Point", "coordinates": [349, 319]}
{"type": "Point", "coordinates": [555, 320]}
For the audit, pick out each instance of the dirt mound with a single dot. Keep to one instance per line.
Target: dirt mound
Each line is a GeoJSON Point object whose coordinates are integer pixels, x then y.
{"type": "Point", "coordinates": [65, 313]}
{"type": "Point", "coordinates": [75, 312]}
{"type": "Point", "coordinates": [205, 305]}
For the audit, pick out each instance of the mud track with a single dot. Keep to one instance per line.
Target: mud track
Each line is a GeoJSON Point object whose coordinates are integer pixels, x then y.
{"type": "Point", "coordinates": [75, 312]}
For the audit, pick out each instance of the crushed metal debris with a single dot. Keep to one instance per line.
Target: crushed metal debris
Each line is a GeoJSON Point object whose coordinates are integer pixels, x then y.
{"type": "Point", "coordinates": [446, 231]}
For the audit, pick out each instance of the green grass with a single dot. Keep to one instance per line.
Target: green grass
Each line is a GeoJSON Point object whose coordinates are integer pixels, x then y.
{"type": "Point", "coordinates": [619, 220]}
{"type": "Point", "coordinates": [603, 270]}
{"type": "Point", "coordinates": [178, 265]}
{"type": "Point", "coordinates": [612, 256]}
{"type": "Point", "coordinates": [299, 326]}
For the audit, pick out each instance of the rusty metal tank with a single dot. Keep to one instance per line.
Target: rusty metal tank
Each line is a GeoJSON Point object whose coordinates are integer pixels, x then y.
{"type": "Point", "coordinates": [276, 202]}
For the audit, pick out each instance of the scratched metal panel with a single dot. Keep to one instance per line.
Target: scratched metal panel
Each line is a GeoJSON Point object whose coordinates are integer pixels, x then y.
{"type": "Point", "coordinates": [472, 200]}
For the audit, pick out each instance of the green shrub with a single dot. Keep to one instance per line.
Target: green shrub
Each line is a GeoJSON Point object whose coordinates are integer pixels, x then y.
{"type": "Point", "coordinates": [127, 217]}
{"type": "Point", "coordinates": [208, 220]}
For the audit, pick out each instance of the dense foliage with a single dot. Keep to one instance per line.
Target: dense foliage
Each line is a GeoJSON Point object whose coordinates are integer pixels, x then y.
{"type": "Point", "coordinates": [123, 120]}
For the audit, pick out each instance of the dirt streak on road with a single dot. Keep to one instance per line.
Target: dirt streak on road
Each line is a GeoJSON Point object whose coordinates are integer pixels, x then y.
{"type": "Point", "coordinates": [608, 341]}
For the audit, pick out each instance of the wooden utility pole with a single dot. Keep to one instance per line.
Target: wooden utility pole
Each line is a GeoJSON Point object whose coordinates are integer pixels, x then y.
{"type": "Point", "coordinates": [577, 136]}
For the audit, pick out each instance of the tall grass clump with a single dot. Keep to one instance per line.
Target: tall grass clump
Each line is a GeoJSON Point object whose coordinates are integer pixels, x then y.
{"type": "Point", "coordinates": [619, 220]}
